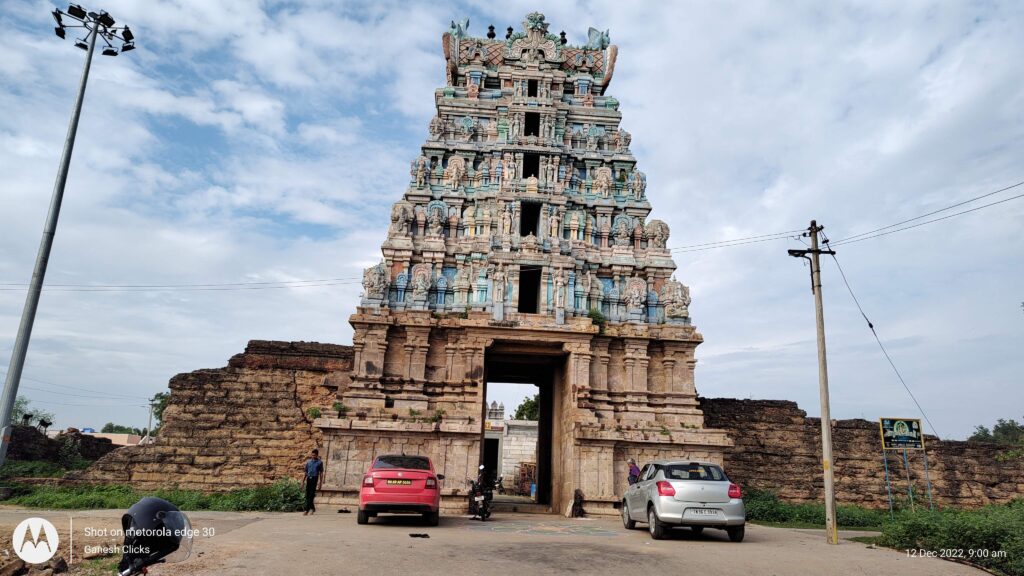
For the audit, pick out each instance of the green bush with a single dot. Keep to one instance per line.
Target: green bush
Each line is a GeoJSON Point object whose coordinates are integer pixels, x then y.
{"type": "Point", "coordinates": [994, 533]}
{"type": "Point", "coordinates": [281, 496]}
{"type": "Point", "coordinates": [765, 506]}
{"type": "Point", "coordinates": [31, 469]}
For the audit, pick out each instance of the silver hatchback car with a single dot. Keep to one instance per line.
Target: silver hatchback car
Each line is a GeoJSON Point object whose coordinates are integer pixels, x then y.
{"type": "Point", "coordinates": [673, 493]}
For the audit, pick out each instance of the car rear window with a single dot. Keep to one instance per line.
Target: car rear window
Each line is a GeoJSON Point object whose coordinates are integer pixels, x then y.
{"type": "Point", "coordinates": [694, 471]}
{"type": "Point", "coordinates": [407, 462]}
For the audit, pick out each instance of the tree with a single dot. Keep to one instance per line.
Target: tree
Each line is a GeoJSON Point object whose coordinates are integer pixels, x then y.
{"type": "Point", "coordinates": [1004, 432]}
{"type": "Point", "coordinates": [111, 428]}
{"type": "Point", "coordinates": [528, 409]}
{"type": "Point", "coordinates": [22, 407]}
{"type": "Point", "coordinates": [159, 402]}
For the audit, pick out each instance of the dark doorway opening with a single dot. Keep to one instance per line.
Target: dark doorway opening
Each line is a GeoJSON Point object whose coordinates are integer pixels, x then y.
{"type": "Point", "coordinates": [529, 219]}
{"type": "Point", "coordinates": [492, 452]}
{"type": "Point", "coordinates": [532, 125]}
{"type": "Point", "coordinates": [531, 88]}
{"type": "Point", "coordinates": [531, 165]}
{"type": "Point", "coordinates": [529, 290]}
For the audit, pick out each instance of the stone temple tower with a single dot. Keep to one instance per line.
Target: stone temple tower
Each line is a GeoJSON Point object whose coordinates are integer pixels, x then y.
{"type": "Point", "coordinates": [521, 251]}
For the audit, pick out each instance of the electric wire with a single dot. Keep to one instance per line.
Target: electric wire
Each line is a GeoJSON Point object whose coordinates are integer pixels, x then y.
{"type": "Point", "coordinates": [842, 274]}
{"type": "Point", "coordinates": [885, 230]}
{"type": "Point", "coordinates": [78, 388]}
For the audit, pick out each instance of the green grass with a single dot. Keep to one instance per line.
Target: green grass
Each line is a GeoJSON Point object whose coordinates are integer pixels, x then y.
{"type": "Point", "coordinates": [764, 507]}
{"type": "Point", "coordinates": [992, 536]}
{"type": "Point", "coordinates": [281, 496]}
{"type": "Point", "coordinates": [97, 566]}
{"type": "Point", "coordinates": [36, 469]}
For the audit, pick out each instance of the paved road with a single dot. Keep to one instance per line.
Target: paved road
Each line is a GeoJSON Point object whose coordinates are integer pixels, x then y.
{"type": "Point", "coordinates": [332, 543]}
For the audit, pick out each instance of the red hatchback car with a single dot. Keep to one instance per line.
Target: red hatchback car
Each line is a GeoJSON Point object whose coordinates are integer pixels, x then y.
{"type": "Point", "coordinates": [402, 484]}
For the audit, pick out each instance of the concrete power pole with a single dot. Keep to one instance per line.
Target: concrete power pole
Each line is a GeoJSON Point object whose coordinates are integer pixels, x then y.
{"type": "Point", "coordinates": [832, 535]}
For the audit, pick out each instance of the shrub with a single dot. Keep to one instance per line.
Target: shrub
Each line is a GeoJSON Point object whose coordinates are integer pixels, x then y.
{"type": "Point", "coordinates": [31, 469]}
{"type": "Point", "coordinates": [765, 506]}
{"type": "Point", "coordinates": [994, 533]}
{"type": "Point", "coordinates": [313, 413]}
{"type": "Point", "coordinates": [282, 496]}
{"type": "Point", "coordinates": [340, 408]}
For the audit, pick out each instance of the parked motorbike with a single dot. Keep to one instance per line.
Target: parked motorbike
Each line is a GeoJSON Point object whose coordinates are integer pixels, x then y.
{"type": "Point", "coordinates": [480, 495]}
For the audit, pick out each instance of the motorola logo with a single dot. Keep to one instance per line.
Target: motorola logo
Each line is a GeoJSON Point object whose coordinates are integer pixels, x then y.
{"type": "Point", "coordinates": [35, 540]}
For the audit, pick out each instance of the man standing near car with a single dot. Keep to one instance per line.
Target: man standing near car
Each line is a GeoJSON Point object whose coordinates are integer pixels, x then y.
{"type": "Point", "coordinates": [314, 480]}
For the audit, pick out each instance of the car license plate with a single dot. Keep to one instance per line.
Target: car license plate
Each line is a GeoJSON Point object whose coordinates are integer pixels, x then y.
{"type": "Point", "coordinates": [704, 511]}
{"type": "Point", "coordinates": [399, 482]}
{"type": "Point", "coordinates": [479, 498]}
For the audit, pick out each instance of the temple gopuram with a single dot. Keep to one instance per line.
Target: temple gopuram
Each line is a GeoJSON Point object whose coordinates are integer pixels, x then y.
{"type": "Point", "coordinates": [521, 251]}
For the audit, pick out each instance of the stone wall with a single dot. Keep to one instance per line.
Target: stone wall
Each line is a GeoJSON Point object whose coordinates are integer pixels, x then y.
{"type": "Point", "coordinates": [248, 424]}
{"type": "Point", "coordinates": [777, 447]}
{"type": "Point", "coordinates": [243, 425]}
{"type": "Point", "coordinates": [519, 445]}
{"type": "Point", "coordinates": [28, 443]}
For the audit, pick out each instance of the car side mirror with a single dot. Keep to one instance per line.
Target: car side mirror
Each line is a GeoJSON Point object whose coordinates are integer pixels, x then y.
{"type": "Point", "coordinates": [440, 476]}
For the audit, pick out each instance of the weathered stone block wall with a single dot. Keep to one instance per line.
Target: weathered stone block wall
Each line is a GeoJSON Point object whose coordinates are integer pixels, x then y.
{"type": "Point", "coordinates": [777, 447]}
{"type": "Point", "coordinates": [243, 425]}
{"type": "Point", "coordinates": [519, 445]}
{"type": "Point", "coordinates": [28, 443]}
{"type": "Point", "coordinates": [247, 424]}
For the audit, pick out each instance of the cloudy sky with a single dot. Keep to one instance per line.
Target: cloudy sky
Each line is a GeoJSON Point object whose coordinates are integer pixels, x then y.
{"type": "Point", "coordinates": [262, 142]}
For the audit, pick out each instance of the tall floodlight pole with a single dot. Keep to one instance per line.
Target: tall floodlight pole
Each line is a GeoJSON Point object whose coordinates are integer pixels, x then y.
{"type": "Point", "coordinates": [827, 463]}
{"type": "Point", "coordinates": [96, 25]}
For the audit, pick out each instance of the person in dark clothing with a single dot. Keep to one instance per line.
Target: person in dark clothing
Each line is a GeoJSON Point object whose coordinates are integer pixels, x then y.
{"type": "Point", "coordinates": [314, 478]}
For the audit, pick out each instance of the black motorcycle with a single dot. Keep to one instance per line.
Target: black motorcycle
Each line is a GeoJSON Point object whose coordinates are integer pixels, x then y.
{"type": "Point", "coordinates": [480, 495]}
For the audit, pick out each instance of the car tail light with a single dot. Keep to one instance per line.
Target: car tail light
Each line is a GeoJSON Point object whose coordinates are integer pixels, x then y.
{"type": "Point", "coordinates": [666, 489]}
{"type": "Point", "coordinates": [734, 491]}
{"type": "Point", "coordinates": [367, 481]}
{"type": "Point", "coordinates": [431, 482]}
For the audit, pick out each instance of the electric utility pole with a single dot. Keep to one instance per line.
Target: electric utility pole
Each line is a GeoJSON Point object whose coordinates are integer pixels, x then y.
{"type": "Point", "coordinates": [831, 533]}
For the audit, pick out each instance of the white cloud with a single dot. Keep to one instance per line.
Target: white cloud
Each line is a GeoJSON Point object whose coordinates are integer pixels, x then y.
{"type": "Point", "coordinates": [247, 141]}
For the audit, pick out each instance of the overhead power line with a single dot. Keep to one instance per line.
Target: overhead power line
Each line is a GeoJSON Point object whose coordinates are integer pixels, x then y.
{"type": "Point", "coordinates": [898, 226]}
{"type": "Point", "coordinates": [79, 388]}
{"type": "Point", "coordinates": [882, 346]}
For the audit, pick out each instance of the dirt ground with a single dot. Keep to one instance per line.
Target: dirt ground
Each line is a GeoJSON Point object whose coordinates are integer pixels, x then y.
{"type": "Point", "coordinates": [332, 543]}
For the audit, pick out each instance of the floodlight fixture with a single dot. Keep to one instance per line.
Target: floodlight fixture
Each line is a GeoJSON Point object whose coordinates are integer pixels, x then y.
{"type": "Point", "coordinates": [105, 19]}
{"type": "Point", "coordinates": [127, 46]}
{"type": "Point", "coordinates": [56, 16]}
{"type": "Point", "coordinates": [81, 44]}
{"type": "Point", "coordinates": [110, 51]}
{"type": "Point", "coordinates": [127, 34]}
{"type": "Point", "coordinates": [77, 11]}
{"type": "Point", "coordinates": [59, 31]}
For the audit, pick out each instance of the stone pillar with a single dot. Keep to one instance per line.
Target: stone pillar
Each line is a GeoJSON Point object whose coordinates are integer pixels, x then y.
{"type": "Point", "coordinates": [417, 344]}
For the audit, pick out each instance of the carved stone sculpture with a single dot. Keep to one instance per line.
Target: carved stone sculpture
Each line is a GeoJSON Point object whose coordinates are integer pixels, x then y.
{"type": "Point", "coordinates": [638, 183]}
{"type": "Point", "coordinates": [375, 281]}
{"type": "Point", "coordinates": [603, 182]}
{"type": "Point", "coordinates": [455, 172]}
{"type": "Point", "coordinates": [420, 171]}
{"type": "Point", "coordinates": [676, 298]}
{"type": "Point", "coordinates": [436, 128]}
{"type": "Point", "coordinates": [401, 214]}
{"type": "Point", "coordinates": [657, 233]}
